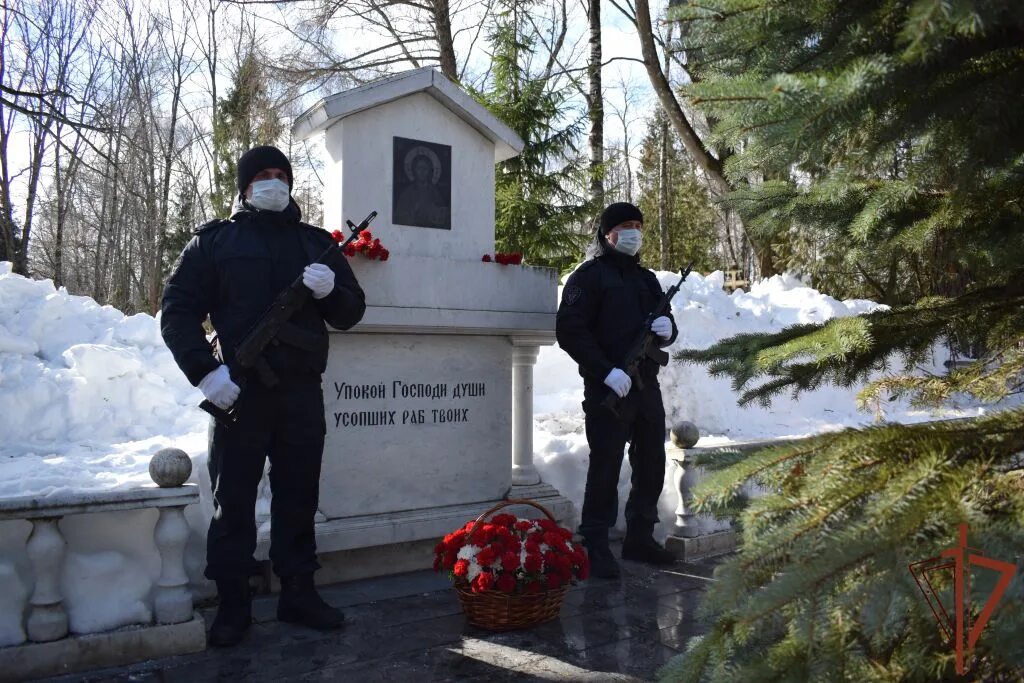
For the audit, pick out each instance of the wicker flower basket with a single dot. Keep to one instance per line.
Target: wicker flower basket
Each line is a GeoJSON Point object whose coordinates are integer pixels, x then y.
{"type": "Point", "coordinates": [496, 611]}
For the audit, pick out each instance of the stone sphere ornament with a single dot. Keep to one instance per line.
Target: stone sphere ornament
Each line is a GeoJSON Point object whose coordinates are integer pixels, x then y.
{"type": "Point", "coordinates": [170, 467]}
{"type": "Point", "coordinates": [685, 434]}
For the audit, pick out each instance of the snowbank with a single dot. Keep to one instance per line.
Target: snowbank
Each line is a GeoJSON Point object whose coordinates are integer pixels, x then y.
{"type": "Point", "coordinates": [87, 395]}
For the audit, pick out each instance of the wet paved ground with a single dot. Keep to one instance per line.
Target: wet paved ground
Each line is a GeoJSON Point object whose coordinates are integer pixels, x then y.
{"type": "Point", "coordinates": [410, 628]}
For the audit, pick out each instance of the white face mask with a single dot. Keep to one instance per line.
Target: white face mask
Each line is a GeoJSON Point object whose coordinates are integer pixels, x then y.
{"type": "Point", "coordinates": [629, 241]}
{"type": "Point", "coordinates": [272, 195]}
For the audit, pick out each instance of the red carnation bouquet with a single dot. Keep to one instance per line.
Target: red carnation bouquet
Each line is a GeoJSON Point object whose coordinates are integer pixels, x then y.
{"type": "Point", "coordinates": [511, 259]}
{"type": "Point", "coordinates": [512, 556]}
{"type": "Point", "coordinates": [366, 244]}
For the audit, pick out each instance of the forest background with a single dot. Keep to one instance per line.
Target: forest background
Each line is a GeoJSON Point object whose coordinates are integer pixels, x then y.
{"type": "Point", "coordinates": [122, 122]}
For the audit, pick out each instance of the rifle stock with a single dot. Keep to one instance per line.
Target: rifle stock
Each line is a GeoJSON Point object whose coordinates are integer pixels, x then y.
{"type": "Point", "coordinates": [225, 417]}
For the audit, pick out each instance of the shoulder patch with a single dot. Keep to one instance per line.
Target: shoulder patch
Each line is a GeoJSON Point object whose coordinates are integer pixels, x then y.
{"type": "Point", "coordinates": [209, 225]}
{"type": "Point", "coordinates": [571, 294]}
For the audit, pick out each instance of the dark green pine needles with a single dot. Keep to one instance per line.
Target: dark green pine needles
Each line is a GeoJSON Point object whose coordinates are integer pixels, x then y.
{"type": "Point", "coordinates": [879, 146]}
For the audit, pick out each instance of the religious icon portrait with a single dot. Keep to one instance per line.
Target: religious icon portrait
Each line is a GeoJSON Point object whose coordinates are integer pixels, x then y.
{"type": "Point", "coordinates": [422, 187]}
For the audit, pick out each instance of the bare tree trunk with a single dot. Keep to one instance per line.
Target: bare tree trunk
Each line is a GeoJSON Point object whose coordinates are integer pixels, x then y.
{"type": "Point", "coordinates": [156, 279]}
{"type": "Point", "coordinates": [35, 171]}
{"type": "Point", "coordinates": [98, 266]}
{"type": "Point", "coordinates": [695, 147]}
{"type": "Point", "coordinates": [58, 240]}
{"type": "Point", "coordinates": [663, 195]}
{"type": "Point", "coordinates": [445, 42]}
{"type": "Point", "coordinates": [210, 53]}
{"type": "Point", "coordinates": [37, 39]}
{"type": "Point", "coordinates": [595, 108]}
{"type": "Point", "coordinates": [112, 222]}
{"type": "Point", "coordinates": [8, 245]}
{"type": "Point", "coordinates": [663, 190]}
{"type": "Point", "coordinates": [629, 169]}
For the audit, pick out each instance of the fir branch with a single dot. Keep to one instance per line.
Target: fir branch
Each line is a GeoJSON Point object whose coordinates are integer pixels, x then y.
{"type": "Point", "coordinates": [873, 498]}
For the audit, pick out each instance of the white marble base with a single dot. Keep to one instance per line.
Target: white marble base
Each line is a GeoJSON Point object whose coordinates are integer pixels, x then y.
{"type": "Point", "coordinates": [99, 650]}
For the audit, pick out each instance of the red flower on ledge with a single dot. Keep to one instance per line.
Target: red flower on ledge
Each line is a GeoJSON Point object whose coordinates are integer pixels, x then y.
{"type": "Point", "coordinates": [365, 244]}
{"type": "Point", "coordinates": [511, 259]}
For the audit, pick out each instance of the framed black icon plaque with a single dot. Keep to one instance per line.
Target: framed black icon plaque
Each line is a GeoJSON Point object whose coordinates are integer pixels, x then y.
{"type": "Point", "coordinates": [422, 187]}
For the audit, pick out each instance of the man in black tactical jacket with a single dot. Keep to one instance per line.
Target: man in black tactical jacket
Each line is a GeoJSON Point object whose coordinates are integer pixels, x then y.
{"type": "Point", "coordinates": [604, 306]}
{"type": "Point", "coordinates": [231, 270]}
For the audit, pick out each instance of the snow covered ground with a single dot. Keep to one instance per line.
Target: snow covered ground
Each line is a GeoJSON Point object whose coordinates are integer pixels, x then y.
{"type": "Point", "coordinates": [87, 395]}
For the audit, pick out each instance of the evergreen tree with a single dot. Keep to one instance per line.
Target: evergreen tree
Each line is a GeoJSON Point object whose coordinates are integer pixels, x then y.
{"type": "Point", "coordinates": [691, 219]}
{"type": "Point", "coordinates": [247, 117]}
{"type": "Point", "coordinates": [180, 229]}
{"type": "Point", "coordinates": [892, 135]}
{"type": "Point", "coordinates": [540, 195]}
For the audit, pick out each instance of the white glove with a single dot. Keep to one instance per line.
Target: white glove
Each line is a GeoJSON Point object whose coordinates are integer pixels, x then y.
{"type": "Point", "coordinates": [218, 388]}
{"type": "Point", "coordinates": [319, 278]}
{"type": "Point", "coordinates": [662, 327]}
{"type": "Point", "coordinates": [619, 382]}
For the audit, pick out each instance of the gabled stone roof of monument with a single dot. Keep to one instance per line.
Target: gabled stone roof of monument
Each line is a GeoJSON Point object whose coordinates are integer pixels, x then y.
{"type": "Point", "coordinates": [427, 80]}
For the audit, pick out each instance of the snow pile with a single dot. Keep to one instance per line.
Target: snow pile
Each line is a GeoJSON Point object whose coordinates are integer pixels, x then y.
{"type": "Point", "coordinates": [86, 393]}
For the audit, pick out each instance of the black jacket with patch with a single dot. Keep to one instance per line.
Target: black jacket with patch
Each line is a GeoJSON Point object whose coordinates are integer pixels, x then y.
{"type": "Point", "coordinates": [232, 270]}
{"type": "Point", "coordinates": [605, 303]}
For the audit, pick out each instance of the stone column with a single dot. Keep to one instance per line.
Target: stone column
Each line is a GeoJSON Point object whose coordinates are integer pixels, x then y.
{"type": "Point", "coordinates": [47, 619]}
{"type": "Point", "coordinates": [524, 357]}
{"type": "Point", "coordinates": [687, 524]}
{"type": "Point", "coordinates": [172, 600]}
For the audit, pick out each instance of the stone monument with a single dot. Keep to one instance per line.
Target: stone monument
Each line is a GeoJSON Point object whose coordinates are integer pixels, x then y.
{"type": "Point", "coordinates": [429, 400]}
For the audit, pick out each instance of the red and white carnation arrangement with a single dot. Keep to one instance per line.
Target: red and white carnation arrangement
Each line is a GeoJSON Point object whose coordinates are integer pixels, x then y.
{"type": "Point", "coordinates": [512, 555]}
{"type": "Point", "coordinates": [366, 244]}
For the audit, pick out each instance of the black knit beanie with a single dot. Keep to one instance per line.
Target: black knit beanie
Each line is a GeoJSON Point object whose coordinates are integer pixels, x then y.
{"type": "Point", "coordinates": [257, 159]}
{"type": "Point", "coordinates": [617, 213]}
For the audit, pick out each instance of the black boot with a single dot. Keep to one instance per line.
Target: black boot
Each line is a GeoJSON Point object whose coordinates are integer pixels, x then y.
{"type": "Point", "coordinates": [602, 561]}
{"type": "Point", "coordinates": [640, 546]}
{"type": "Point", "coordinates": [299, 603]}
{"type": "Point", "coordinates": [234, 614]}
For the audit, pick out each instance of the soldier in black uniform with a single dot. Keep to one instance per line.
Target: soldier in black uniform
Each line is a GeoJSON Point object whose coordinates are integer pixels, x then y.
{"type": "Point", "coordinates": [231, 270]}
{"type": "Point", "coordinates": [604, 306]}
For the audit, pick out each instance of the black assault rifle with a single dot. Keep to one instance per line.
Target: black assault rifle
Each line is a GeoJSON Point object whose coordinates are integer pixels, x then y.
{"type": "Point", "coordinates": [646, 344]}
{"type": "Point", "coordinates": [273, 325]}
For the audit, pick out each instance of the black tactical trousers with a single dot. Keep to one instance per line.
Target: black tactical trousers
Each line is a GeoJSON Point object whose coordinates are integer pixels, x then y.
{"type": "Point", "coordinates": [643, 426]}
{"type": "Point", "coordinates": [287, 425]}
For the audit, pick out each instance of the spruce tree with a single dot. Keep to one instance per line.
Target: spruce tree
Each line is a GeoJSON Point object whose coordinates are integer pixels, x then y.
{"type": "Point", "coordinates": [891, 134]}
{"type": "Point", "coordinates": [540, 195]}
{"type": "Point", "coordinates": [692, 234]}
{"type": "Point", "coordinates": [247, 117]}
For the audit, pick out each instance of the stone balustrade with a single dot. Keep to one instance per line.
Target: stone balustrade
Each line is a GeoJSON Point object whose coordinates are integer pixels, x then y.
{"type": "Point", "coordinates": [177, 628]}
{"type": "Point", "coordinates": [47, 619]}
{"type": "Point", "coordinates": [694, 536]}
